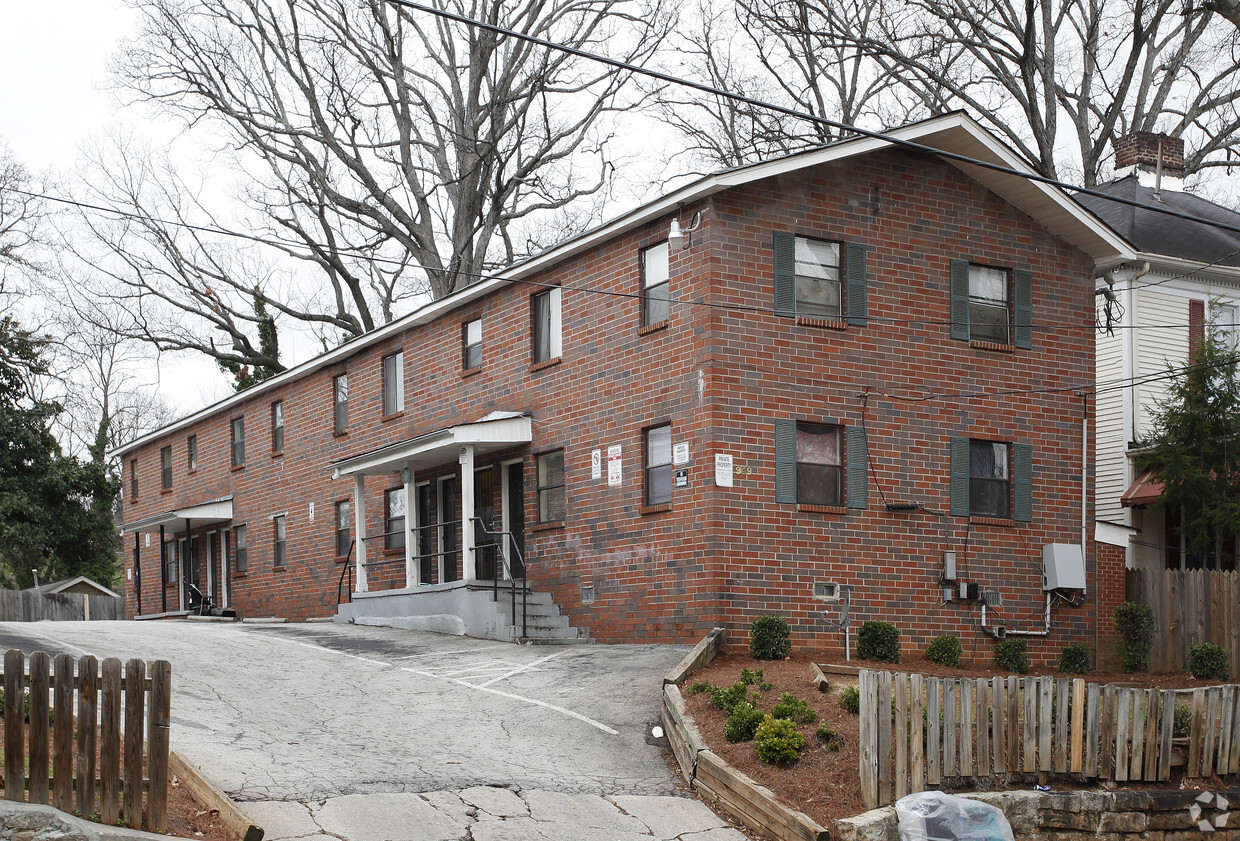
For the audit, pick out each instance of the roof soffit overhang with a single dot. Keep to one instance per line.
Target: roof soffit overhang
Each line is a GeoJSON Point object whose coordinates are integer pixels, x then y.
{"type": "Point", "coordinates": [439, 447]}
{"type": "Point", "coordinates": [214, 511]}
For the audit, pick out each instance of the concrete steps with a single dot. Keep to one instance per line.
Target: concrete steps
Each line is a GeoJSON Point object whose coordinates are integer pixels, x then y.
{"type": "Point", "coordinates": [544, 623]}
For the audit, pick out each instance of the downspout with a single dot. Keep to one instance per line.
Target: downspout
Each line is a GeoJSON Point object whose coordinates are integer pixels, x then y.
{"type": "Point", "coordinates": [1000, 631]}
{"type": "Point", "coordinates": [1084, 488]}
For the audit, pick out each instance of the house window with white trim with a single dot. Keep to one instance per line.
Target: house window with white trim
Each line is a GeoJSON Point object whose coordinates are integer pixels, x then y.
{"type": "Point", "coordinates": [656, 284]}
{"type": "Point", "coordinates": [547, 333]}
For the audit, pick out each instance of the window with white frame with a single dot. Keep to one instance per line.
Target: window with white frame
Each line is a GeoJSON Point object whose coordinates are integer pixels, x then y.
{"type": "Point", "coordinates": [551, 487]}
{"type": "Point", "coordinates": [820, 465]}
{"type": "Point", "coordinates": [989, 310]}
{"type": "Point", "coordinates": [818, 290]}
{"type": "Point", "coordinates": [659, 465]}
{"type": "Point", "coordinates": [394, 383]}
{"type": "Point", "coordinates": [340, 403]}
{"type": "Point", "coordinates": [191, 453]}
{"type": "Point", "coordinates": [343, 541]}
{"type": "Point", "coordinates": [165, 468]}
{"type": "Point", "coordinates": [471, 344]}
{"type": "Point", "coordinates": [279, 537]}
{"type": "Point", "coordinates": [547, 325]}
{"type": "Point", "coordinates": [656, 286]}
{"type": "Point", "coordinates": [394, 518]}
{"type": "Point", "coordinates": [990, 479]}
{"type": "Point", "coordinates": [277, 426]}
{"type": "Point", "coordinates": [238, 441]}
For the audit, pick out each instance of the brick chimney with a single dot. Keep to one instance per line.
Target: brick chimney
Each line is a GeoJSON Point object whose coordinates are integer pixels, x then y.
{"type": "Point", "coordinates": [1139, 151]}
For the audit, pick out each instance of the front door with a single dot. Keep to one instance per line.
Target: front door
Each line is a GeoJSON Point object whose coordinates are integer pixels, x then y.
{"type": "Point", "coordinates": [426, 533]}
{"type": "Point", "coordinates": [484, 510]}
{"type": "Point", "coordinates": [514, 516]}
{"type": "Point", "coordinates": [447, 527]}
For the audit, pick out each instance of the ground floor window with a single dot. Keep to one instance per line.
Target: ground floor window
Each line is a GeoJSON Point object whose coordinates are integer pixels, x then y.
{"type": "Point", "coordinates": [551, 487]}
{"type": "Point", "coordinates": [342, 528]}
{"type": "Point", "coordinates": [394, 518]}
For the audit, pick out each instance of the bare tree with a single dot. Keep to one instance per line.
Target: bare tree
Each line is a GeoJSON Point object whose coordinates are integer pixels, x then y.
{"type": "Point", "coordinates": [22, 214]}
{"type": "Point", "coordinates": [1057, 80]}
{"type": "Point", "coordinates": [395, 152]}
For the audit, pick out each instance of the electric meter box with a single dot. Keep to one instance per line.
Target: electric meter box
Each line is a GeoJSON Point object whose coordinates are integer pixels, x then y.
{"type": "Point", "coordinates": [1063, 567]}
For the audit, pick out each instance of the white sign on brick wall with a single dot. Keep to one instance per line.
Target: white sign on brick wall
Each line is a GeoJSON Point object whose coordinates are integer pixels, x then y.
{"type": "Point", "coordinates": [615, 472]}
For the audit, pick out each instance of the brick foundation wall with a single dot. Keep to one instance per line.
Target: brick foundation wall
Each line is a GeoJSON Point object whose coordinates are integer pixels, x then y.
{"type": "Point", "coordinates": [716, 555]}
{"type": "Point", "coordinates": [1112, 583]}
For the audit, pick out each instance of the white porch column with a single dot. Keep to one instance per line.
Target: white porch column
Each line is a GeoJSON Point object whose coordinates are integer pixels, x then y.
{"type": "Point", "coordinates": [359, 529]}
{"type": "Point", "coordinates": [411, 574]}
{"type": "Point", "coordinates": [467, 512]}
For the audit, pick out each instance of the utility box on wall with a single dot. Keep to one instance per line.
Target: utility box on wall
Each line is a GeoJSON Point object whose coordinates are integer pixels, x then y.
{"type": "Point", "coordinates": [1063, 567]}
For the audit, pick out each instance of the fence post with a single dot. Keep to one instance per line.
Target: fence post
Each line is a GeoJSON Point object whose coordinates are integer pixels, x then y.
{"type": "Point", "coordinates": [14, 702]}
{"type": "Point", "coordinates": [135, 696]}
{"type": "Point", "coordinates": [157, 739]}
{"type": "Point", "coordinates": [868, 733]}
{"type": "Point", "coordinates": [901, 686]}
{"type": "Point", "coordinates": [62, 735]}
{"type": "Point", "coordinates": [918, 769]}
{"type": "Point", "coordinates": [87, 729]}
{"type": "Point", "coordinates": [884, 737]}
{"type": "Point", "coordinates": [110, 743]}
{"type": "Point", "coordinates": [40, 707]}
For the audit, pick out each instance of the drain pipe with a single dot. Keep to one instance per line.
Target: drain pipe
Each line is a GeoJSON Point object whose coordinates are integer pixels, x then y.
{"type": "Point", "coordinates": [999, 631]}
{"type": "Point", "coordinates": [1084, 491]}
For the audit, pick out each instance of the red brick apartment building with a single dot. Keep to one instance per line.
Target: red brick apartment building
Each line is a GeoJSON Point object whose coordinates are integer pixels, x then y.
{"type": "Point", "coordinates": [853, 380]}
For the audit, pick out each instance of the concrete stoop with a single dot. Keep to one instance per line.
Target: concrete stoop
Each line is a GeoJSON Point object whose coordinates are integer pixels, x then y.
{"type": "Point", "coordinates": [475, 609]}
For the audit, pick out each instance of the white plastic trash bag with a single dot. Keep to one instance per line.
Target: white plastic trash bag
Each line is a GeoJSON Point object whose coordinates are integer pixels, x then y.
{"type": "Point", "coordinates": [935, 816]}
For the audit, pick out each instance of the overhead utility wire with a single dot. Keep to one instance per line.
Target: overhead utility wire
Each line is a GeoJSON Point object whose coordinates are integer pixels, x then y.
{"type": "Point", "coordinates": [276, 242]}
{"type": "Point", "coordinates": [804, 115]}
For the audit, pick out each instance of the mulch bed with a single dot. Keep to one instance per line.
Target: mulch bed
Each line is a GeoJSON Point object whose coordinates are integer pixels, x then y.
{"type": "Point", "coordinates": [825, 784]}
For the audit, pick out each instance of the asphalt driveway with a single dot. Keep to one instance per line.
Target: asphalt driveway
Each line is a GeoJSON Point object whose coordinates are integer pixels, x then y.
{"type": "Point", "coordinates": [328, 729]}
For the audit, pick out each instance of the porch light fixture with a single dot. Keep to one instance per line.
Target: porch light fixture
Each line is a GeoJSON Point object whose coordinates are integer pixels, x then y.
{"type": "Point", "coordinates": [683, 236]}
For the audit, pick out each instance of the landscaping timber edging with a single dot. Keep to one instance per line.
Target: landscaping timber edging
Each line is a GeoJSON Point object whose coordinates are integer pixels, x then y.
{"type": "Point", "coordinates": [752, 804]}
{"type": "Point", "coordinates": [213, 797]}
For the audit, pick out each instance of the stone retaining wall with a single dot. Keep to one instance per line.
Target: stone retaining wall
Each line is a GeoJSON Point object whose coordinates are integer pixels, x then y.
{"type": "Point", "coordinates": [1148, 815]}
{"type": "Point", "coordinates": [31, 822]}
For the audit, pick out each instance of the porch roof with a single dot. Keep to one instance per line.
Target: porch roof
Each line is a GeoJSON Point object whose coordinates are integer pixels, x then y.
{"type": "Point", "coordinates": [204, 513]}
{"type": "Point", "coordinates": [1145, 490]}
{"type": "Point", "coordinates": [496, 431]}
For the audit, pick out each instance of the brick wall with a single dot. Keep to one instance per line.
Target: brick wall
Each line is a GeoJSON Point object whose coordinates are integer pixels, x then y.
{"type": "Point", "coordinates": [720, 377]}
{"type": "Point", "coordinates": [1110, 593]}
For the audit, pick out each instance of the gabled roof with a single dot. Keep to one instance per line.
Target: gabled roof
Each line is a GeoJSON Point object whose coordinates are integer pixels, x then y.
{"type": "Point", "coordinates": [954, 133]}
{"type": "Point", "coordinates": [1155, 233]}
{"type": "Point", "coordinates": [68, 583]}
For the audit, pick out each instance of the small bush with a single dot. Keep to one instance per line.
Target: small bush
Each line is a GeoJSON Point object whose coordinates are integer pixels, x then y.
{"type": "Point", "coordinates": [727, 698]}
{"type": "Point", "coordinates": [769, 638]}
{"type": "Point", "coordinates": [743, 722]}
{"type": "Point", "coordinates": [754, 678]}
{"type": "Point", "coordinates": [1182, 724]}
{"type": "Point", "coordinates": [700, 686]}
{"type": "Point", "coordinates": [850, 699]}
{"type": "Point", "coordinates": [1074, 659]}
{"type": "Point", "coordinates": [1012, 656]}
{"type": "Point", "coordinates": [879, 641]}
{"type": "Point", "coordinates": [828, 738]}
{"type": "Point", "coordinates": [945, 651]}
{"type": "Point", "coordinates": [778, 741]}
{"type": "Point", "coordinates": [1135, 624]}
{"type": "Point", "coordinates": [791, 707]}
{"type": "Point", "coordinates": [1208, 662]}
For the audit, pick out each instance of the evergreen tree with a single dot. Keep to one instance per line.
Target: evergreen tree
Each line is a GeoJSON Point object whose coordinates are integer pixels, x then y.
{"type": "Point", "coordinates": [55, 511]}
{"type": "Point", "coordinates": [1194, 449]}
{"type": "Point", "coordinates": [244, 375]}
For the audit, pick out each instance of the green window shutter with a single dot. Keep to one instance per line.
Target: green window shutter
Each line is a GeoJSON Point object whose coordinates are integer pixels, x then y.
{"type": "Point", "coordinates": [960, 477]}
{"type": "Point", "coordinates": [854, 273]}
{"type": "Point", "coordinates": [1024, 308]}
{"type": "Point", "coordinates": [1022, 464]}
{"type": "Point", "coordinates": [960, 300]}
{"type": "Point", "coordinates": [785, 461]}
{"type": "Point", "coordinates": [857, 462]}
{"type": "Point", "coordinates": [785, 274]}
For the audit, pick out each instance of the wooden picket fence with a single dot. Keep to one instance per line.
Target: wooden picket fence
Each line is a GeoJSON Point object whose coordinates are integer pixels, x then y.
{"type": "Point", "coordinates": [1190, 607]}
{"type": "Point", "coordinates": [920, 732]}
{"type": "Point", "coordinates": [96, 753]}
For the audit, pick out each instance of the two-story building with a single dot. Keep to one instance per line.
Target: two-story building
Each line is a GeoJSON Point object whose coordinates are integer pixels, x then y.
{"type": "Point", "coordinates": [854, 374]}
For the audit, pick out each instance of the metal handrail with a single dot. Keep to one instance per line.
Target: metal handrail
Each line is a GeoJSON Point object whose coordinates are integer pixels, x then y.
{"type": "Point", "coordinates": [499, 550]}
{"type": "Point", "coordinates": [348, 567]}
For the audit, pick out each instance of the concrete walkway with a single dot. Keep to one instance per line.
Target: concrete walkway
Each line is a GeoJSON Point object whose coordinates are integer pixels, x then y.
{"type": "Point", "coordinates": [375, 734]}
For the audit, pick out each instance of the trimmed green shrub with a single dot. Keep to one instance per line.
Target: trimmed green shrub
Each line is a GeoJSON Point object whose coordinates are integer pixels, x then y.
{"type": "Point", "coordinates": [1012, 656]}
{"type": "Point", "coordinates": [769, 638]}
{"type": "Point", "coordinates": [1208, 662]}
{"type": "Point", "coordinates": [850, 699]}
{"type": "Point", "coordinates": [879, 641]}
{"type": "Point", "coordinates": [778, 741]}
{"type": "Point", "coordinates": [700, 686]}
{"type": "Point", "coordinates": [743, 722]}
{"type": "Point", "coordinates": [754, 678]}
{"type": "Point", "coordinates": [727, 698]}
{"type": "Point", "coordinates": [945, 651]}
{"type": "Point", "coordinates": [828, 738]}
{"type": "Point", "coordinates": [1182, 723]}
{"type": "Point", "coordinates": [1135, 624]}
{"type": "Point", "coordinates": [1074, 659]}
{"type": "Point", "coordinates": [796, 709]}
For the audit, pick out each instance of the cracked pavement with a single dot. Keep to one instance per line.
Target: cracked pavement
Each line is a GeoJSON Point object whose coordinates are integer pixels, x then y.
{"type": "Point", "coordinates": [324, 731]}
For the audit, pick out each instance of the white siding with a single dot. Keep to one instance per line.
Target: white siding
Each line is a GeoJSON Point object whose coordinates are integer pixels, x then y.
{"type": "Point", "coordinates": [1157, 346]}
{"type": "Point", "coordinates": [1110, 442]}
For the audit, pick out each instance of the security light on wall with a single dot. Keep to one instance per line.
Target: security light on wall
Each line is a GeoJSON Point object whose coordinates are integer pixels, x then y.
{"type": "Point", "coordinates": [683, 236]}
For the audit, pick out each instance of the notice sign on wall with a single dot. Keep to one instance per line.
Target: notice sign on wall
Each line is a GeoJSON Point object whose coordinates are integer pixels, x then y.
{"type": "Point", "coordinates": [596, 464]}
{"type": "Point", "coordinates": [615, 473]}
{"type": "Point", "coordinates": [682, 478]}
{"type": "Point", "coordinates": [680, 454]}
{"type": "Point", "coordinates": [723, 470]}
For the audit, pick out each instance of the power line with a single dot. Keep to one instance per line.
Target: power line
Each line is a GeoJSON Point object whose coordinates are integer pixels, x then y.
{"type": "Point", "coordinates": [805, 115]}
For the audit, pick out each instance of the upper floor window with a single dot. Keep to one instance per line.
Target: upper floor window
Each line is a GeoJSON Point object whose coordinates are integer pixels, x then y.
{"type": "Point", "coordinates": [133, 480]}
{"type": "Point", "coordinates": [278, 536]}
{"type": "Point", "coordinates": [991, 305]}
{"type": "Point", "coordinates": [659, 465]}
{"type": "Point", "coordinates": [991, 479]}
{"type": "Point", "coordinates": [340, 400]}
{"type": "Point", "coordinates": [277, 426]}
{"type": "Point", "coordinates": [394, 518]}
{"type": "Point", "coordinates": [471, 341]}
{"type": "Point", "coordinates": [238, 441]}
{"type": "Point", "coordinates": [191, 452]}
{"type": "Point", "coordinates": [551, 487]}
{"type": "Point", "coordinates": [394, 383]}
{"type": "Point", "coordinates": [343, 543]}
{"type": "Point", "coordinates": [656, 288]}
{"type": "Point", "coordinates": [165, 468]}
{"type": "Point", "coordinates": [1226, 325]}
{"type": "Point", "coordinates": [817, 278]}
{"type": "Point", "coordinates": [822, 464]}
{"type": "Point", "coordinates": [547, 336]}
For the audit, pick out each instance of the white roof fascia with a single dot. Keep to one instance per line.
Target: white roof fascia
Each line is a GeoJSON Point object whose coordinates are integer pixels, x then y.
{"type": "Point", "coordinates": [1103, 239]}
{"type": "Point", "coordinates": [218, 510]}
{"type": "Point", "coordinates": [507, 431]}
